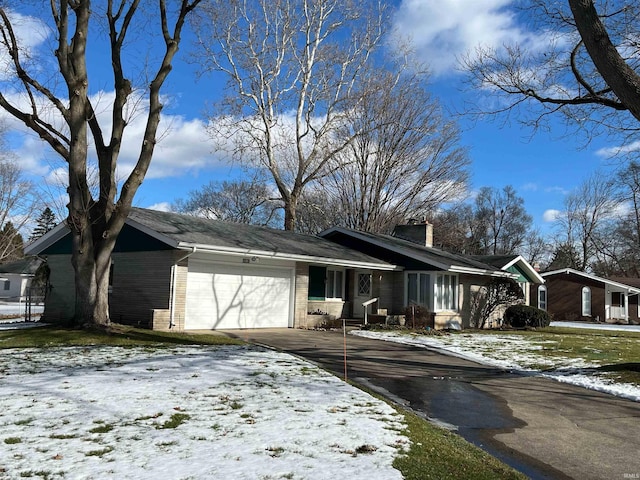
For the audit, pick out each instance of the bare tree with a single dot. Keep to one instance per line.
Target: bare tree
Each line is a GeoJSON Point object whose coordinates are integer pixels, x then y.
{"type": "Point", "coordinates": [403, 162]}
{"type": "Point", "coordinates": [587, 71]}
{"type": "Point", "coordinates": [503, 220]}
{"type": "Point", "coordinates": [241, 202]}
{"type": "Point", "coordinates": [293, 70]}
{"type": "Point", "coordinates": [586, 220]}
{"type": "Point", "coordinates": [18, 200]}
{"type": "Point", "coordinates": [94, 222]}
{"type": "Point", "coordinates": [498, 292]}
{"type": "Point", "coordinates": [618, 247]}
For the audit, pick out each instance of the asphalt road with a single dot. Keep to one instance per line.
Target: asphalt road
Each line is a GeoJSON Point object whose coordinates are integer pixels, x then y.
{"type": "Point", "coordinates": [541, 427]}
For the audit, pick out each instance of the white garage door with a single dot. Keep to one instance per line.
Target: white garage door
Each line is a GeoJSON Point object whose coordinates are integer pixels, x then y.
{"type": "Point", "coordinates": [237, 296]}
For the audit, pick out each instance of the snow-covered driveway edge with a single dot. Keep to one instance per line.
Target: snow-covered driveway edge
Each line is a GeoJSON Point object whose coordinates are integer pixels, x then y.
{"type": "Point", "coordinates": [508, 352]}
{"type": "Point", "coordinates": [188, 412]}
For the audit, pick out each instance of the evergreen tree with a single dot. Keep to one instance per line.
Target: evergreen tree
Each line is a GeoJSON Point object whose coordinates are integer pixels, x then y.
{"type": "Point", "coordinates": [11, 244]}
{"type": "Point", "coordinates": [45, 222]}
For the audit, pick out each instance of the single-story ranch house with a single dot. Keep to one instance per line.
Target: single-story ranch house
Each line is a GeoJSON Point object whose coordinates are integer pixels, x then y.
{"type": "Point", "coordinates": [184, 272]}
{"type": "Point", "coordinates": [16, 277]}
{"type": "Point", "coordinates": [569, 294]}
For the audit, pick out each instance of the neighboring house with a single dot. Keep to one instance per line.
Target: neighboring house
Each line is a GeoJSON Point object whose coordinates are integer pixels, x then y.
{"type": "Point", "coordinates": [443, 282]}
{"type": "Point", "coordinates": [15, 278]}
{"type": "Point", "coordinates": [569, 294]}
{"type": "Point", "coordinates": [516, 264]}
{"type": "Point", "coordinates": [183, 272]}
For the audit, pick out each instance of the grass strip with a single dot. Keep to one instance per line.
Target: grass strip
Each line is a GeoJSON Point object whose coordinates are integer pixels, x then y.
{"type": "Point", "coordinates": [118, 335]}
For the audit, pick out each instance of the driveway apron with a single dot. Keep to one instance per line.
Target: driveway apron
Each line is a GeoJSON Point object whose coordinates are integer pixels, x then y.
{"type": "Point", "coordinates": [543, 428]}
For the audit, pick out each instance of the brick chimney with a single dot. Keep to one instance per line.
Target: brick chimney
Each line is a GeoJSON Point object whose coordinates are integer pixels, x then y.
{"type": "Point", "coordinates": [416, 232]}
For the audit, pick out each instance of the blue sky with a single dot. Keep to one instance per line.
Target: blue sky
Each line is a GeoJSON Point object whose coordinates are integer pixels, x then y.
{"type": "Point", "coordinates": [541, 167]}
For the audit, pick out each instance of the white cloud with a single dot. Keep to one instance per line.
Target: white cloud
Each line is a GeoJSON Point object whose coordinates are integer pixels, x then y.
{"type": "Point", "coordinates": [609, 152]}
{"type": "Point", "coordinates": [30, 32]}
{"type": "Point", "coordinates": [551, 215]}
{"type": "Point", "coordinates": [529, 187]}
{"type": "Point", "coordinates": [442, 31]}
{"type": "Point", "coordinates": [161, 207]}
{"type": "Point", "coordinates": [182, 146]}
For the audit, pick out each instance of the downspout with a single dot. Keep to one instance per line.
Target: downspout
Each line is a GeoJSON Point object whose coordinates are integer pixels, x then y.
{"type": "Point", "coordinates": [174, 273]}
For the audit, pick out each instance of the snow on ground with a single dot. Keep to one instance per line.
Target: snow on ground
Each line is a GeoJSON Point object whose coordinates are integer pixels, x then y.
{"type": "Point", "coordinates": [18, 308]}
{"type": "Point", "coordinates": [597, 326]}
{"type": "Point", "coordinates": [511, 352]}
{"type": "Point", "coordinates": [246, 413]}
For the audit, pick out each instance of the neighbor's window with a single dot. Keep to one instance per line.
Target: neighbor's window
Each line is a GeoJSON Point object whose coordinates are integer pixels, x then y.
{"type": "Point", "coordinates": [542, 297]}
{"type": "Point", "coordinates": [446, 292]}
{"type": "Point", "coordinates": [334, 284]}
{"type": "Point", "coordinates": [7, 284]}
{"type": "Point", "coordinates": [586, 302]}
{"type": "Point", "coordinates": [418, 288]}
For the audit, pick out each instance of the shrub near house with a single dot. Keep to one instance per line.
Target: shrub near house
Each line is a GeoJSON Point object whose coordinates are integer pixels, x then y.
{"type": "Point", "coordinates": [522, 316]}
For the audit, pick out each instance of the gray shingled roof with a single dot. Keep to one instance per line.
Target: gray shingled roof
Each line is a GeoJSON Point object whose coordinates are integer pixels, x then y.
{"type": "Point", "coordinates": [188, 230]}
{"type": "Point", "coordinates": [24, 266]}
{"type": "Point", "coordinates": [498, 261]}
{"type": "Point", "coordinates": [415, 251]}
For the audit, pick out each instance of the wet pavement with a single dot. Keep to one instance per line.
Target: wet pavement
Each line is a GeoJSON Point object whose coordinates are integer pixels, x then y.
{"type": "Point", "coordinates": [543, 428]}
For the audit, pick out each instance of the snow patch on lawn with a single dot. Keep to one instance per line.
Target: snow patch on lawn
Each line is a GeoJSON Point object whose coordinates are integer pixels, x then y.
{"type": "Point", "coordinates": [188, 412]}
{"type": "Point", "coordinates": [511, 352]}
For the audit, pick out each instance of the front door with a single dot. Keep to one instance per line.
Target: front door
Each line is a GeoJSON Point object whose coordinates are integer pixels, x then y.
{"type": "Point", "coordinates": [362, 292]}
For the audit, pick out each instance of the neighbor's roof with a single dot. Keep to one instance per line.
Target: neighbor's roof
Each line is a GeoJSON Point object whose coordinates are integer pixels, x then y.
{"type": "Point", "coordinates": [24, 266]}
{"type": "Point", "coordinates": [503, 262]}
{"type": "Point", "coordinates": [395, 249]}
{"type": "Point", "coordinates": [189, 232]}
{"type": "Point", "coordinates": [607, 281]}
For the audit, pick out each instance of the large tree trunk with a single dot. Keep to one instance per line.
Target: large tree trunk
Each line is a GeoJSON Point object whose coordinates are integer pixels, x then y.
{"type": "Point", "coordinates": [619, 75]}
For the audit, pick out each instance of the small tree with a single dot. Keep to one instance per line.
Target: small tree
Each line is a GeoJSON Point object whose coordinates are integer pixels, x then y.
{"type": "Point", "coordinates": [45, 223]}
{"type": "Point", "coordinates": [499, 292]}
{"type": "Point", "coordinates": [11, 244]}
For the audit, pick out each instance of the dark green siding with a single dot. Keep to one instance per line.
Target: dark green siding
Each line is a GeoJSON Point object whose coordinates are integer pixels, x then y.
{"type": "Point", "coordinates": [129, 240]}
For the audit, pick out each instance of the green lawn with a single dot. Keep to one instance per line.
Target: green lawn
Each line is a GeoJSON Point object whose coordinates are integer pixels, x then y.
{"type": "Point", "coordinates": [434, 453]}
{"type": "Point", "coordinates": [615, 354]}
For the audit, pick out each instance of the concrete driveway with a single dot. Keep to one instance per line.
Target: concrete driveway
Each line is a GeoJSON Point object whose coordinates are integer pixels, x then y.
{"type": "Point", "coordinates": [541, 427]}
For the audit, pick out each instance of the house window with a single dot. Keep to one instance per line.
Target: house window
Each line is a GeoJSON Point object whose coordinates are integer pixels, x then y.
{"type": "Point", "coordinates": [325, 283]}
{"type": "Point", "coordinates": [364, 284]}
{"type": "Point", "coordinates": [317, 280]}
{"type": "Point", "coordinates": [542, 297]}
{"type": "Point", "coordinates": [418, 288]}
{"type": "Point", "coordinates": [446, 292]}
{"type": "Point", "coordinates": [334, 284]}
{"type": "Point", "coordinates": [586, 302]}
{"type": "Point", "coordinates": [7, 284]}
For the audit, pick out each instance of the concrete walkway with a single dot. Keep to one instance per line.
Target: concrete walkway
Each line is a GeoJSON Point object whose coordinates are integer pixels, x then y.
{"type": "Point", "coordinates": [541, 427]}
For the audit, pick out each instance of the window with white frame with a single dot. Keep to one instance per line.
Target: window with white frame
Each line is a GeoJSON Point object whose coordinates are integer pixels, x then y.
{"type": "Point", "coordinates": [7, 284]}
{"type": "Point", "coordinates": [446, 292]}
{"type": "Point", "coordinates": [417, 288]}
{"type": "Point", "coordinates": [586, 302]}
{"type": "Point", "coordinates": [542, 297]}
{"type": "Point", "coordinates": [335, 284]}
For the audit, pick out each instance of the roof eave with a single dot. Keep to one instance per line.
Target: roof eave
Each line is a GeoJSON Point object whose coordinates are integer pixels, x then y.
{"type": "Point", "coordinates": [287, 256]}
{"type": "Point", "coordinates": [48, 239]}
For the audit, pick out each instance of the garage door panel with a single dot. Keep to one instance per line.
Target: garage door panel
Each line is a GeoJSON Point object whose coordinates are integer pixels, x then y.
{"type": "Point", "coordinates": [225, 296]}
